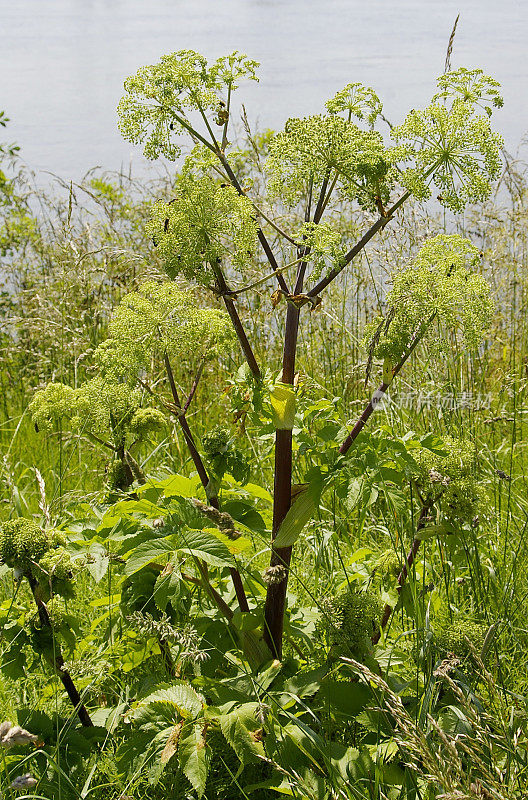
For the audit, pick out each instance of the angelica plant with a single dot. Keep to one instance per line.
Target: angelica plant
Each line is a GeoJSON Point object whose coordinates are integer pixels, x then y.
{"type": "Point", "coordinates": [208, 233]}
{"type": "Point", "coordinates": [216, 233]}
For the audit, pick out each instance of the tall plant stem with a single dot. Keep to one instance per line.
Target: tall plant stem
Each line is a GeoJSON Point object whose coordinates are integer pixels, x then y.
{"type": "Point", "coordinates": [58, 662]}
{"type": "Point", "coordinates": [276, 594]}
{"type": "Point", "coordinates": [202, 474]}
{"type": "Point", "coordinates": [402, 577]}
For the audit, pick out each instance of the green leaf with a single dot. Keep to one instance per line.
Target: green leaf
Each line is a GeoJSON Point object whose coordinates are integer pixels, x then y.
{"type": "Point", "coordinates": [299, 514]}
{"type": "Point", "coordinates": [245, 513]}
{"type": "Point", "coordinates": [179, 697]}
{"type": "Point", "coordinates": [193, 756]}
{"type": "Point", "coordinates": [243, 732]}
{"type": "Point", "coordinates": [343, 698]}
{"type": "Point", "coordinates": [177, 486]}
{"type": "Point", "coordinates": [206, 547]}
{"type": "Point", "coordinates": [150, 551]}
{"type": "Point", "coordinates": [282, 399]}
{"type": "Point", "coordinates": [258, 491]}
{"type": "Point", "coordinates": [167, 586]}
{"type": "Point", "coordinates": [354, 492]}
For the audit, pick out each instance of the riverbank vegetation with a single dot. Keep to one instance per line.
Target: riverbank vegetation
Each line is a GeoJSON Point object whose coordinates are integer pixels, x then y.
{"type": "Point", "coordinates": [263, 525]}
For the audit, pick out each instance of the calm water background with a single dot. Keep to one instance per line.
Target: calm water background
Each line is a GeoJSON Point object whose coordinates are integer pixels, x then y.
{"type": "Point", "coordinates": [62, 62]}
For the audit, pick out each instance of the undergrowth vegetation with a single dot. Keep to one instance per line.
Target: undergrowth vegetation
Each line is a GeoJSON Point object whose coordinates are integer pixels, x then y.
{"type": "Point", "coordinates": [263, 523]}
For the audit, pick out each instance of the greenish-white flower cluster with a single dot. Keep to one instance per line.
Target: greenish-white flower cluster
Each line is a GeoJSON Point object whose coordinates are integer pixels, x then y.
{"type": "Point", "coordinates": [314, 149]}
{"type": "Point", "coordinates": [208, 222]}
{"type": "Point", "coordinates": [440, 292]}
{"type": "Point", "coordinates": [159, 97]}
{"type": "Point", "coordinates": [450, 144]}
{"type": "Point", "coordinates": [160, 318]}
{"type": "Point", "coordinates": [356, 100]}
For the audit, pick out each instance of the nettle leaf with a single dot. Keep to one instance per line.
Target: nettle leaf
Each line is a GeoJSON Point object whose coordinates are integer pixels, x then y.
{"type": "Point", "coordinates": [149, 551]}
{"type": "Point", "coordinates": [177, 700]}
{"type": "Point", "coordinates": [193, 755]}
{"type": "Point", "coordinates": [243, 732]}
{"type": "Point", "coordinates": [167, 586]}
{"type": "Point", "coordinates": [206, 547]}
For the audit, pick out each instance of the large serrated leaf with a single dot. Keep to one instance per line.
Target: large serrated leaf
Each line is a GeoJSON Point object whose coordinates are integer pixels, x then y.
{"type": "Point", "coordinates": [206, 547]}
{"type": "Point", "coordinates": [180, 697]}
{"type": "Point", "coordinates": [243, 732]}
{"type": "Point", "coordinates": [193, 755]}
{"type": "Point", "coordinates": [149, 551]}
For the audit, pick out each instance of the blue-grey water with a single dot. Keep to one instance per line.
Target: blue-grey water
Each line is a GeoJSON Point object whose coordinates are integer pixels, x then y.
{"type": "Point", "coordinates": [62, 62]}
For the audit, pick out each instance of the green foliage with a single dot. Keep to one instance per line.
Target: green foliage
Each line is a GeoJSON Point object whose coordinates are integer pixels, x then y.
{"type": "Point", "coordinates": [223, 455]}
{"type": "Point", "coordinates": [452, 478]}
{"type": "Point", "coordinates": [165, 656]}
{"type": "Point", "coordinates": [438, 294]}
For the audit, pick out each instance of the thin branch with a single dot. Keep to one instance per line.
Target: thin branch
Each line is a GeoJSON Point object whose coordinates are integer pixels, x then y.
{"type": "Point", "coordinates": [402, 577]}
{"type": "Point", "coordinates": [236, 321]}
{"type": "Point", "coordinates": [365, 239]}
{"type": "Point", "coordinates": [382, 389]}
{"type": "Point", "coordinates": [194, 386]}
{"type": "Point", "coordinates": [204, 478]}
{"type": "Point", "coordinates": [228, 109]}
{"type": "Point", "coordinates": [358, 247]}
{"type": "Point", "coordinates": [57, 660]}
{"type": "Point", "coordinates": [268, 276]}
{"type": "Point", "coordinates": [327, 198]}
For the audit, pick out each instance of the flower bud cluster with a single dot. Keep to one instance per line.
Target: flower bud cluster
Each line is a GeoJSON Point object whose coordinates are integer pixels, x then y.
{"type": "Point", "coordinates": [452, 478]}
{"type": "Point", "coordinates": [349, 621]}
{"type": "Point", "coordinates": [442, 285]}
{"type": "Point", "coordinates": [37, 554]}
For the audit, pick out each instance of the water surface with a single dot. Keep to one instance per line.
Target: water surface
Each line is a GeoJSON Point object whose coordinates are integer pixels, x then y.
{"type": "Point", "coordinates": [62, 62]}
